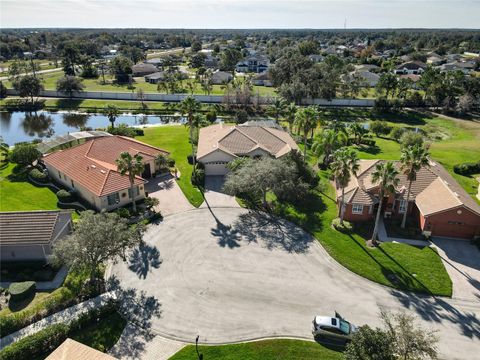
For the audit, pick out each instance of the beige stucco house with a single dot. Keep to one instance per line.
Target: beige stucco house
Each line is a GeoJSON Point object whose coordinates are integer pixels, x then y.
{"type": "Point", "coordinates": [220, 144]}
{"type": "Point", "coordinates": [29, 235]}
{"type": "Point", "coordinates": [90, 170]}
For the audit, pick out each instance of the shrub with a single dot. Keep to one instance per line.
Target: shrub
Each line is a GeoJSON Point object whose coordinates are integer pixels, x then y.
{"type": "Point", "coordinates": [3, 90]}
{"type": "Point", "coordinates": [123, 213]}
{"type": "Point", "coordinates": [25, 154]}
{"type": "Point", "coordinates": [241, 116]}
{"type": "Point", "coordinates": [21, 290]}
{"type": "Point", "coordinates": [198, 177]}
{"type": "Point", "coordinates": [190, 159]}
{"type": "Point", "coordinates": [64, 196]}
{"type": "Point", "coordinates": [211, 116]}
{"type": "Point", "coordinates": [122, 130]}
{"type": "Point", "coordinates": [170, 162]}
{"type": "Point", "coordinates": [411, 138]}
{"type": "Point", "coordinates": [467, 169]}
{"type": "Point", "coordinates": [380, 127]}
{"type": "Point", "coordinates": [397, 133]}
{"type": "Point", "coordinates": [38, 175]}
{"type": "Point", "coordinates": [138, 132]}
{"type": "Point", "coordinates": [368, 142]}
{"type": "Point", "coordinates": [345, 227]}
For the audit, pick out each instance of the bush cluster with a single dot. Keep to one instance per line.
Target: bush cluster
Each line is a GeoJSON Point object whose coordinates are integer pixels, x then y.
{"type": "Point", "coordinates": [467, 169]}
{"type": "Point", "coordinates": [38, 175]}
{"type": "Point", "coordinates": [40, 344]}
{"type": "Point", "coordinates": [380, 127]}
{"type": "Point", "coordinates": [65, 196]}
{"type": "Point", "coordinates": [123, 212]}
{"type": "Point", "coordinates": [21, 290]}
{"type": "Point", "coordinates": [345, 227]}
{"type": "Point", "coordinates": [198, 177]}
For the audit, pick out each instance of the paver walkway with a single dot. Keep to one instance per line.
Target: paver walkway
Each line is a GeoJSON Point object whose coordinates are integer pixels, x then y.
{"type": "Point", "coordinates": [133, 345]}
{"type": "Point", "coordinates": [65, 316]}
{"type": "Point", "coordinates": [214, 195]}
{"type": "Point", "coordinates": [383, 236]}
{"type": "Point", "coordinates": [169, 194]}
{"type": "Point", "coordinates": [45, 285]}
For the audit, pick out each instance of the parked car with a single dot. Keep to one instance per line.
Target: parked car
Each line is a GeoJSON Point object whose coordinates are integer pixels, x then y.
{"type": "Point", "coordinates": [333, 328]}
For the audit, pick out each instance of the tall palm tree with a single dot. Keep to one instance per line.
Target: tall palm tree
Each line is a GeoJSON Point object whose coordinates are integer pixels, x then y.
{"type": "Point", "coordinates": [385, 174]}
{"type": "Point", "coordinates": [326, 144]}
{"type": "Point", "coordinates": [413, 158]}
{"type": "Point", "coordinates": [111, 111]}
{"type": "Point", "coordinates": [189, 106]}
{"type": "Point", "coordinates": [290, 112]}
{"type": "Point", "coordinates": [305, 121]}
{"type": "Point", "coordinates": [133, 167]}
{"type": "Point", "coordinates": [277, 108]}
{"type": "Point", "coordinates": [345, 164]}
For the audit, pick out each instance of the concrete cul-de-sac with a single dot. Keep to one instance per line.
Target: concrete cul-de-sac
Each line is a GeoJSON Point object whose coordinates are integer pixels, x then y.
{"type": "Point", "coordinates": [229, 275]}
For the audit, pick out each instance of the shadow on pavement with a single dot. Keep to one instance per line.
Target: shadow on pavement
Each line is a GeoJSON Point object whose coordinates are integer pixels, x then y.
{"type": "Point", "coordinates": [143, 259]}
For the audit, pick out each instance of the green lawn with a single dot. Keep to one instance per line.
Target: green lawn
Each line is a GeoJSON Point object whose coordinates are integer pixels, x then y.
{"type": "Point", "coordinates": [397, 265]}
{"type": "Point", "coordinates": [174, 138]}
{"type": "Point", "coordinates": [17, 194]}
{"type": "Point", "coordinates": [103, 334]}
{"type": "Point", "coordinates": [261, 350]}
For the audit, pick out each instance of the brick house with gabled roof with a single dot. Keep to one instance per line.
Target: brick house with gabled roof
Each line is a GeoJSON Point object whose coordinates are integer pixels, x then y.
{"type": "Point", "coordinates": [438, 203]}
{"type": "Point", "coordinates": [90, 170]}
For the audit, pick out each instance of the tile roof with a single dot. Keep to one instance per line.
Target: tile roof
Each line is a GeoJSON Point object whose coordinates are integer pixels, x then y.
{"type": "Point", "coordinates": [31, 227]}
{"type": "Point", "coordinates": [434, 189]}
{"type": "Point", "coordinates": [241, 140]}
{"type": "Point", "coordinates": [73, 350]}
{"type": "Point", "coordinates": [92, 164]}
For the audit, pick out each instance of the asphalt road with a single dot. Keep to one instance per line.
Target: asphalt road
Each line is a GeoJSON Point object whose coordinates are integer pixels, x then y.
{"type": "Point", "coordinates": [230, 276]}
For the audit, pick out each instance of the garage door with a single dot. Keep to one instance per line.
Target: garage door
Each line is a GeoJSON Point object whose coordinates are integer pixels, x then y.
{"type": "Point", "coordinates": [216, 168]}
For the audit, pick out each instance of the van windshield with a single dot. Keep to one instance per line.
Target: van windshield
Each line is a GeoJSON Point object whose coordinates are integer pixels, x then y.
{"type": "Point", "coordinates": [345, 327]}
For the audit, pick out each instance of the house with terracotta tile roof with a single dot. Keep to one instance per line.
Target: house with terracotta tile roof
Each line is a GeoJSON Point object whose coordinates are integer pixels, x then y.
{"type": "Point", "coordinates": [90, 170]}
{"type": "Point", "coordinates": [220, 144]}
{"type": "Point", "coordinates": [73, 350]}
{"type": "Point", "coordinates": [29, 235]}
{"type": "Point", "coordinates": [437, 203]}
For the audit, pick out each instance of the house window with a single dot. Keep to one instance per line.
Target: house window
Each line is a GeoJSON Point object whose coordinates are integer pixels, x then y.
{"type": "Point", "coordinates": [357, 209]}
{"type": "Point", "coordinates": [113, 199]}
{"type": "Point", "coordinates": [136, 192]}
{"type": "Point", "coordinates": [403, 206]}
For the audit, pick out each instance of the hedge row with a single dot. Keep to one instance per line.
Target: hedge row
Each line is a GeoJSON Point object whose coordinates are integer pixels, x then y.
{"type": "Point", "coordinates": [40, 344]}
{"type": "Point", "coordinates": [467, 169]}
{"type": "Point", "coordinates": [21, 290]}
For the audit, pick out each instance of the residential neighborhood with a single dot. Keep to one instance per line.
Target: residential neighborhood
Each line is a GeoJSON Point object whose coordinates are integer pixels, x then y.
{"type": "Point", "coordinates": [203, 180]}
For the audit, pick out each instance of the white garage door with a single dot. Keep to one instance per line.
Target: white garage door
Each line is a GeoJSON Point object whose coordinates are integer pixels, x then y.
{"type": "Point", "coordinates": [216, 168]}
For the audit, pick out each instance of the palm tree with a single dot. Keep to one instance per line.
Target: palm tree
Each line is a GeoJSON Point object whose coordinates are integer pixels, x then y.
{"type": "Point", "coordinates": [290, 112]}
{"type": "Point", "coordinates": [305, 121]}
{"type": "Point", "coordinates": [161, 161]}
{"type": "Point", "coordinates": [386, 175]}
{"type": "Point", "coordinates": [133, 167]}
{"type": "Point", "coordinates": [277, 108]}
{"type": "Point", "coordinates": [358, 132]}
{"type": "Point", "coordinates": [189, 106]}
{"type": "Point", "coordinates": [111, 111]}
{"type": "Point", "coordinates": [326, 144]}
{"type": "Point", "coordinates": [413, 158]}
{"type": "Point", "coordinates": [345, 164]}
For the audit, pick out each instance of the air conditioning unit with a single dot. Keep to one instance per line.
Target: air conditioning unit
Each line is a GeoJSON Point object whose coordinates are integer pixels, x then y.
{"type": "Point", "coordinates": [387, 214]}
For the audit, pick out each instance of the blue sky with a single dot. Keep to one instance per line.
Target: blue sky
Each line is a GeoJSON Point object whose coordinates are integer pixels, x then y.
{"type": "Point", "coordinates": [320, 14]}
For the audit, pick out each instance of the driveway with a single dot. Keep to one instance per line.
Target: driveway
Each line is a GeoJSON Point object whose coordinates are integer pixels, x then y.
{"type": "Point", "coordinates": [214, 195]}
{"type": "Point", "coordinates": [462, 261]}
{"type": "Point", "coordinates": [169, 194]}
{"type": "Point", "coordinates": [230, 275]}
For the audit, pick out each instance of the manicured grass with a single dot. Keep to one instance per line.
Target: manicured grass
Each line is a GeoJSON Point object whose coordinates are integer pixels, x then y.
{"type": "Point", "coordinates": [261, 350]}
{"type": "Point", "coordinates": [12, 308]}
{"type": "Point", "coordinates": [102, 334]}
{"type": "Point", "coordinates": [17, 194]}
{"type": "Point", "coordinates": [174, 138]}
{"type": "Point", "coordinates": [397, 265]}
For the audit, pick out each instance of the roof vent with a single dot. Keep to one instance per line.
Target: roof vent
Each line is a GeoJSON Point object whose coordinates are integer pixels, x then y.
{"type": "Point", "coordinates": [456, 194]}
{"type": "Point", "coordinates": [103, 171]}
{"type": "Point", "coordinates": [94, 167]}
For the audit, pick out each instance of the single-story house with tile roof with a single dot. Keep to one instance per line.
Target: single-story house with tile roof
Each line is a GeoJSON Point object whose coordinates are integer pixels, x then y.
{"type": "Point", "coordinates": [29, 235]}
{"type": "Point", "coordinates": [440, 206]}
{"type": "Point", "coordinates": [220, 144]}
{"type": "Point", "coordinates": [90, 170]}
{"type": "Point", "coordinates": [143, 69]}
{"type": "Point", "coordinates": [73, 350]}
{"type": "Point", "coordinates": [221, 77]}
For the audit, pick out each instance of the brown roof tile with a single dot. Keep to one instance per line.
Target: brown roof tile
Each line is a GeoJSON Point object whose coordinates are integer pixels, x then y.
{"type": "Point", "coordinates": [73, 350]}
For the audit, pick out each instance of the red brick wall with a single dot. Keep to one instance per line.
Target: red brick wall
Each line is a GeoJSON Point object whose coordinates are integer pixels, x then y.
{"type": "Point", "coordinates": [440, 226]}
{"type": "Point", "coordinates": [365, 216]}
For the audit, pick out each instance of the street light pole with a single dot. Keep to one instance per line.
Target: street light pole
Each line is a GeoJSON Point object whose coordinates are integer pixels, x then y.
{"type": "Point", "coordinates": [200, 356]}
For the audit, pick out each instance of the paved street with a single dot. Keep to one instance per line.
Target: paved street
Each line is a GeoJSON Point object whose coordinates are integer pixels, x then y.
{"type": "Point", "coordinates": [229, 276]}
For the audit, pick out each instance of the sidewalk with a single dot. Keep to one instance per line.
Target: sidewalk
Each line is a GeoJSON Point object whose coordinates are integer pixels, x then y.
{"type": "Point", "coordinates": [382, 236]}
{"type": "Point", "coordinates": [65, 316]}
{"type": "Point", "coordinates": [45, 285]}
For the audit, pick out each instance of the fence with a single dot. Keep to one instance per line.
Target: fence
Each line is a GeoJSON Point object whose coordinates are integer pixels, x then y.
{"type": "Point", "coordinates": [209, 99]}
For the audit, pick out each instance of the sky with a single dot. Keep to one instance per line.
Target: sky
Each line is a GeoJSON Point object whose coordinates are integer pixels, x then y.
{"type": "Point", "coordinates": [202, 14]}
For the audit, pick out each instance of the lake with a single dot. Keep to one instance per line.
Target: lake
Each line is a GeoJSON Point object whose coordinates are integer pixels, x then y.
{"type": "Point", "coordinates": [23, 126]}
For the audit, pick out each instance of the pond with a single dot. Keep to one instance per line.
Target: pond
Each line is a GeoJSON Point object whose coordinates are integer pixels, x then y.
{"type": "Point", "coordinates": [23, 126]}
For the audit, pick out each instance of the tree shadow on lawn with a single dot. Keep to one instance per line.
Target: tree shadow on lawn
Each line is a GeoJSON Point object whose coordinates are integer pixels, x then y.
{"type": "Point", "coordinates": [274, 232]}
{"type": "Point", "coordinates": [139, 310]}
{"type": "Point", "coordinates": [372, 149]}
{"type": "Point", "coordinates": [69, 103]}
{"type": "Point", "coordinates": [143, 259]}
{"type": "Point", "coordinates": [438, 310]}
{"type": "Point", "coordinates": [406, 117]}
